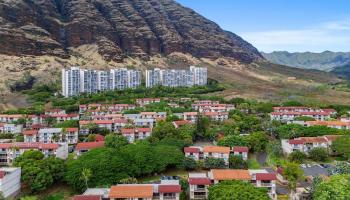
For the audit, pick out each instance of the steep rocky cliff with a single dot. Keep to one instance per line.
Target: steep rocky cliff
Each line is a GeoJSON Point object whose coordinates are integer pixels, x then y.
{"type": "Point", "coordinates": [120, 28]}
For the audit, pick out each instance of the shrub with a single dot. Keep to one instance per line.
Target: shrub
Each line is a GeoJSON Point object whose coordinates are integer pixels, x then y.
{"type": "Point", "coordinates": [297, 157]}
{"type": "Point", "coordinates": [237, 162]}
{"type": "Point", "coordinates": [318, 154]}
{"type": "Point", "coordinates": [214, 163]}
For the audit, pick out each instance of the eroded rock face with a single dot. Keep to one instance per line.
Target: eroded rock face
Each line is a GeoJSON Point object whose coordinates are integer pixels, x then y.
{"type": "Point", "coordinates": [119, 27]}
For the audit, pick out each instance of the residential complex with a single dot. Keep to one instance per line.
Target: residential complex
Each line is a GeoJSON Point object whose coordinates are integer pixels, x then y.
{"type": "Point", "coordinates": [76, 80]}
{"type": "Point", "coordinates": [288, 114]}
{"type": "Point", "coordinates": [176, 77]}
{"type": "Point", "coordinates": [306, 144]}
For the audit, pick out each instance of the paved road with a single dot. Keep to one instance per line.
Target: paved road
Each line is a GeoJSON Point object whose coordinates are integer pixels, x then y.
{"type": "Point", "coordinates": [261, 158]}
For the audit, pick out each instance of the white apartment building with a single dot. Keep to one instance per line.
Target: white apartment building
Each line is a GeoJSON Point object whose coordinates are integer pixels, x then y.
{"type": "Point", "coordinates": [10, 151]}
{"type": "Point", "coordinates": [10, 182]}
{"type": "Point", "coordinates": [71, 82]}
{"type": "Point", "coordinates": [10, 128]}
{"type": "Point", "coordinates": [198, 185]}
{"type": "Point", "coordinates": [176, 77]}
{"type": "Point", "coordinates": [76, 80]}
{"type": "Point", "coordinates": [200, 75]}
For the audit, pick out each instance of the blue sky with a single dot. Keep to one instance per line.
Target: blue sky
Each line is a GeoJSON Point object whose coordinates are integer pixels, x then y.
{"type": "Point", "coordinates": [291, 25]}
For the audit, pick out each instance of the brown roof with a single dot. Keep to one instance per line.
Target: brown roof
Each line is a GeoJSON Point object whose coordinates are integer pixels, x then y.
{"type": "Point", "coordinates": [230, 174]}
{"type": "Point", "coordinates": [313, 139]}
{"type": "Point", "coordinates": [131, 191]}
{"type": "Point", "coordinates": [216, 149]}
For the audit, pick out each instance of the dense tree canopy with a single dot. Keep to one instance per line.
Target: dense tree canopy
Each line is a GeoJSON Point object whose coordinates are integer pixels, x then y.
{"type": "Point", "coordinates": [237, 162]}
{"type": "Point", "coordinates": [318, 154]}
{"type": "Point", "coordinates": [289, 131]}
{"type": "Point", "coordinates": [342, 146]}
{"type": "Point", "coordinates": [110, 165]}
{"type": "Point", "coordinates": [239, 190]}
{"type": "Point", "coordinates": [214, 163]}
{"type": "Point", "coordinates": [38, 173]}
{"type": "Point", "coordinates": [336, 188]}
{"type": "Point", "coordinates": [297, 157]}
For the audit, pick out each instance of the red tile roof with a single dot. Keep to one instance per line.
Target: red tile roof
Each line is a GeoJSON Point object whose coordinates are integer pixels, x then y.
{"type": "Point", "coordinates": [191, 150]}
{"type": "Point", "coordinates": [240, 149]}
{"type": "Point", "coordinates": [30, 132]}
{"type": "Point", "coordinates": [131, 191]}
{"type": "Point", "coordinates": [72, 129]}
{"type": "Point", "coordinates": [29, 145]}
{"type": "Point", "coordinates": [143, 129]}
{"type": "Point", "coordinates": [169, 188]}
{"type": "Point", "coordinates": [199, 181]}
{"type": "Point", "coordinates": [89, 145]}
{"type": "Point", "coordinates": [87, 197]}
{"type": "Point", "coordinates": [266, 176]}
{"type": "Point", "coordinates": [296, 141]}
{"type": "Point", "coordinates": [216, 149]}
{"type": "Point", "coordinates": [182, 122]}
{"type": "Point", "coordinates": [99, 138]}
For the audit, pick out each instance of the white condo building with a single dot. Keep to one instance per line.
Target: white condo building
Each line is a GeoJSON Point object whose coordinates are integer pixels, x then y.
{"type": "Point", "coordinates": [76, 80]}
{"type": "Point", "coordinates": [176, 77]}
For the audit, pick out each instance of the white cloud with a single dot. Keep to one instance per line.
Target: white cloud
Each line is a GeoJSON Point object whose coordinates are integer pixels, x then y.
{"type": "Point", "coordinates": [334, 36]}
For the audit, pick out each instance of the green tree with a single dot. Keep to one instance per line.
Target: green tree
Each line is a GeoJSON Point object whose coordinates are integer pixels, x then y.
{"type": "Point", "coordinates": [189, 164]}
{"type": "Point", "coordinates": [237, 162]}
{"type": "Point", "coordinates": [114, 164]}
{"type": "Point", "coordinates": [214, 163]}
{"type": "Point", "coordinates": [341, 146]}
{"type": "Point", "coordinates": [164, 129]}
{"type": "Point", "coordinates": [233, 140]}
{"type": "Point", "coordinates": [29, 198]}
{"type": "Point", "coordinates": [293, 174]}
{"type": "Point", "coordinates": [336, 188]}
{"type": "Point", "coordinates": [85, 176]}
{"type": "Point", "coordinates": [115, 141]}
{"type": "Point", "coordinates": [318, 154]}
{"type": "Point", "coordinates": [257, 141]}
{"type": "Point", "coordinates": [274, 148]}
{"type": "Point", "coordinates": [289, 131]}
{"type": "Point", "coordinates": [304, 118]}
{"type": "Point", "coordinates": [297, 157]}
{"type": "Point", "coordinates": [227, 190]}
{"type": "Point", "coordinates": [202, 125]}
{"type": "Point", "coordinates": [38, 173]}
{"type": "Point", "coordinates": [19, 138]}
{"type": "Point", "coordinates": [91, 138]}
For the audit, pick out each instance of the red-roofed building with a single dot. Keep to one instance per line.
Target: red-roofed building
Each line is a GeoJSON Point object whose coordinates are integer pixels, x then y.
{"type": "Point", "coordinates": [305, 144]}
{"type": "Point", "coordinates": [192, 152]}
{"type": "Point", "coordinates": [180, 123]}
{"type": "Point", "coordinates": [198, 185]}
{"type": "Point", "coordinates": [241, 151]}
{"type": "Point", "coordinates": [133, 134]}
{"type": "Point", "coordinates": [288, 114]}
{"type": "Point", "coordinates": [30, 135]}
{"type": "Point", "coordinates": [71, 135]}
{"type": "Point", "coordinates": [145, 101]}
{"type": "Point", "coordinates": [263, 179]}
{"type": "Point", "coordinates": [10, 151]}
{"type": "Point", "coordinates": [190, 116]}
{"type": "Point", "coordinates": [87, 146]}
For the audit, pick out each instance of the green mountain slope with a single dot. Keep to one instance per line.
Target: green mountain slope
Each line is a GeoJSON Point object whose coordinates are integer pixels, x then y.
{"type": "Point", "coordinates": [342, 71]}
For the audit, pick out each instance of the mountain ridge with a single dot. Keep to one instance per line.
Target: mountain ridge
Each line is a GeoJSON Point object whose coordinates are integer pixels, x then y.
{"type": "Point", "coordinates": [325, 61]}
{"type": "Point", "coordinates": [120, 28]}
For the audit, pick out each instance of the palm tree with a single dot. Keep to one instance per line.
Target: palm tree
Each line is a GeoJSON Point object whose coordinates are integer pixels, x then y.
{"type": "Point", "coordinates": [85, 176]}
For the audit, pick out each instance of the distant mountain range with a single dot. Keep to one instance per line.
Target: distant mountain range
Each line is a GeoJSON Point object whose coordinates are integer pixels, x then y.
{"type": "Point", "coordinates": [326, 61]}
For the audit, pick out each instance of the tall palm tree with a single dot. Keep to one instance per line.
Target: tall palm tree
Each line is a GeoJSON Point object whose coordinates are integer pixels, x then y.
{"type": "Point", "coordinates": [85, 176]}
